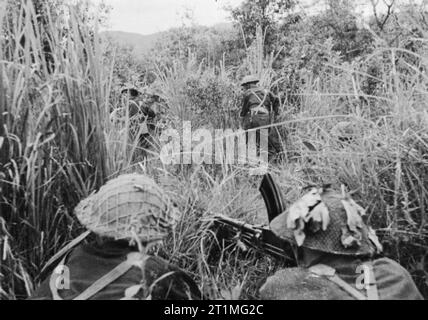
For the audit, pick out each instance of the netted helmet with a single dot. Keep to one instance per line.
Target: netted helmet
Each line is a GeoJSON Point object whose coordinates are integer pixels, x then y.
{"type": "Point", "coordinates": [343, 234]}
{"type": "Point", "coordinates": [128, 206]}
{"type": "Point", "coordinates": [249, 79]}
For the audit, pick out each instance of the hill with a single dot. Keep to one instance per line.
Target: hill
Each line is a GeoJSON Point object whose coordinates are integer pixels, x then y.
{"type": "Point", "coordinates": [143, 43]}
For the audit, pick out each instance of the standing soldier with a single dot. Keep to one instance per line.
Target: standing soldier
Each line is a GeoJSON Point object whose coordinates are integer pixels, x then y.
{"type": "Point", "coordinates": [127, 216]}
{"type": "Point", "coordinates": [338, 254]}
{"type": "Point", "coordinates": [259, 108]}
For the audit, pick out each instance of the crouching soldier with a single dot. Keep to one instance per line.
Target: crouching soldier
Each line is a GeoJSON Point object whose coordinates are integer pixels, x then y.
{"type": "Point", "coordinates": [260, 108]}
{"type": "Point", "coordinates": [127, 216]}
{"type": "Point", "coordinates": [338, 254]}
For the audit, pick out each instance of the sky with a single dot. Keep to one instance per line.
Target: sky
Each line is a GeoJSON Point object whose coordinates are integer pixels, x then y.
{"type": "Point", "coordinates": [150, 16]}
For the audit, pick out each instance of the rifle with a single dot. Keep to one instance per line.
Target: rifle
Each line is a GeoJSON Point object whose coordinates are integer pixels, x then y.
{"type": "Point", "coordinates": [259, 238]}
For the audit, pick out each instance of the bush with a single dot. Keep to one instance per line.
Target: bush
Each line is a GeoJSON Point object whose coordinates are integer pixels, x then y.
{"type": "Point", "coordinates": [59, 142]}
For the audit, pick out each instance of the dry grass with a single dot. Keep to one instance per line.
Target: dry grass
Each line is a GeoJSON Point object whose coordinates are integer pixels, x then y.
{"type": "Point", "coordinates": [62, 143]}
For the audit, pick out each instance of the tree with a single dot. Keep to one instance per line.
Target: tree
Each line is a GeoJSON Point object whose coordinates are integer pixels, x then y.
{"type": "Point", "coordinates": [264, 13]}
{"type": "Point", "coordinates": [339, 23]}
{"type": "Point", "coordinates": [382, 19]}
{"type": "Point", "coordinates": [209, 44]}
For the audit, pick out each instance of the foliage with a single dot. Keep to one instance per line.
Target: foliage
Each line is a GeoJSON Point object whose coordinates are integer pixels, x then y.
{"type": "Point", "coordinates": [261, 13]}
{"type": "Point", "coordinates": [58, 144]}
{"type": "Point", "coordinates": [210, 45]}
{"type": "Point", "coordinates": [61, 136]}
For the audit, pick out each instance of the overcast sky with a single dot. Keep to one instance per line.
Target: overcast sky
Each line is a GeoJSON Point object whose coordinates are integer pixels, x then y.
{"type": "Point", "coordinates": [150, 16]}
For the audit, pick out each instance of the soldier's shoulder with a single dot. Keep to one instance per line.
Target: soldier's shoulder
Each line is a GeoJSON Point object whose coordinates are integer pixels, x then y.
{"type": "Point", "coordinates": [391, 266]}
{"type": "Point", "coordinates": [300, 284]}
{"type": "Point", "coordinates": [394, 281]}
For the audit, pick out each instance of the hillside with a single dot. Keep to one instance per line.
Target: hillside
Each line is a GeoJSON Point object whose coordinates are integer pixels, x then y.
{"type": "Point", "coordinates": [143, 43]}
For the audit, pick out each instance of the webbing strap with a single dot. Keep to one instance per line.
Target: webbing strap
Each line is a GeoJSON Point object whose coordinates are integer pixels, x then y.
{"type": "Point", "coordinates": [104, 281]}
{"type": "Point", "coordinates": [114, 274]}
{"type": "Point", "coordinates": [370, 283]}
{"type": "Point", "coordinates": [65, 250]}
{"type": "Point", "coordinates": [53, 281]}
{"type": "Point", "coordinates": [261, 106]}
{"type": "Point", "coordinates": [330, 273]}
{"type": "Point", "coordinates": [347, 287]}
{"type": "Point", "coordinates": [132, 260]}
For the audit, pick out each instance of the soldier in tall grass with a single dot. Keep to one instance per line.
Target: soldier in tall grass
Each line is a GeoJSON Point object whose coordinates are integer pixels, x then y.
{"type": "Point", "coordinates": [128, 216]}
{"type": "Point", "coordinates": [259, 109]}
{"type": "Point", "coordinates": [141, 117]}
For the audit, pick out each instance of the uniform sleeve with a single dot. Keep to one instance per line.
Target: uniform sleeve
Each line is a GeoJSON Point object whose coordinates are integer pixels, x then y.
{"type": "Point", "coordinates": [176, 286]}
{"type": "Point", "coordinates": [133, 108]}
{"type": "Point", "coordinates": [394, 282]}
{"type": "Point", "coordinates": [245, 105]}
{"type": "Point", "coordinates": [275, 103]}
{"type": "Point", "coordinates": [168, 282]}
{"type": "Point", "coordinates": [148, 112]}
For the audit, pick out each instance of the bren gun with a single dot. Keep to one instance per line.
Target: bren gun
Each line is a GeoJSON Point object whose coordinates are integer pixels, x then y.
{"type": "Point", "coordinates": [259, 238]}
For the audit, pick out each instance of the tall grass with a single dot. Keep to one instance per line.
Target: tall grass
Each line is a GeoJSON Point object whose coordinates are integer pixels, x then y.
{"type": "Point", "coordinates": [386, 162]}
{"type": "Point", "coordinates": [58, 141]}
{"type": "Point", "coordinates": [62, 139]}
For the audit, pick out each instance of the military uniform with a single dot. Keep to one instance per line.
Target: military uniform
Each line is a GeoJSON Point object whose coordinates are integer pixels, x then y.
{"type": "Point", "coordinates": [90, 262]}
{"type": "Point", "coordinates": [128, 214]}
{"type": "Point", "coordinates": [142, 117]}
{"type": "Point", "coordinates": [393, 282]}
{"type": "Point", "coordinates": [259, 109]}
{"type": "Point", "coordinates": [339, 255]}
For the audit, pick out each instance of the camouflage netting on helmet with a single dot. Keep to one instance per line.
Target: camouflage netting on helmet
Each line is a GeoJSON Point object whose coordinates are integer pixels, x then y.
{"type": "Point", "coordinates": [333, 239]}
{"type": "Point", "coordinates": [128, 206]}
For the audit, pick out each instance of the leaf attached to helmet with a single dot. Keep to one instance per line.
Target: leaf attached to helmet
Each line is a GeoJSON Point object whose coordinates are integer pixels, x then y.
{"type": "Point", "coordinates": [319, 217]}
{"type": "Point", "coordinates": [307, 210]}
{"type": "Point", "coordinates": [351, 236]}
{"type": "Point", "coordinates": [350, 239]}
{"type": "Point", "coordinates": [374, 239]}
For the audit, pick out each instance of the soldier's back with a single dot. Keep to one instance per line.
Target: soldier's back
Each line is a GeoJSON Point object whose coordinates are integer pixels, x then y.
{"type": "Point", "coordinates": [393, 282]}
{"type": "Point", "coordinates": [89, 263]}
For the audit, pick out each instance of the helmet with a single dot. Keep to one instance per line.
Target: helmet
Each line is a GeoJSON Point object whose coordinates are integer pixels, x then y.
{"type": "Point", "coordinates": [130, 90]}
{"type": "Point", "coordinates": [128, 206]}
{"type": "Point", "coordinates": [338, 232]}
{"type": "Point", "coordinates": [249, 79]}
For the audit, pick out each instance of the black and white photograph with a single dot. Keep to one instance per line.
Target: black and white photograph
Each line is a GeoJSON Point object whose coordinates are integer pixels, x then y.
{"type": "Point", "coordinates": [217, 154]}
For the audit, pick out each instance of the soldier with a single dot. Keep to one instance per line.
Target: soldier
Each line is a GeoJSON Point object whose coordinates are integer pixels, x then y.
{"type": "Point", "coordinates": [128, 215]}
{"type": "Point", "coordinates": [337, 253]}
{"type": "Point", "coordinates": [142, 116]}
{"type": "Point", "coordinates": [259, 109]}
{"type": "Point", "coordinates": [136, 105]}
{"type": "Point", "coordinates": [131, 95]}
{"type": "Point", "coordinates": [156, 104]}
